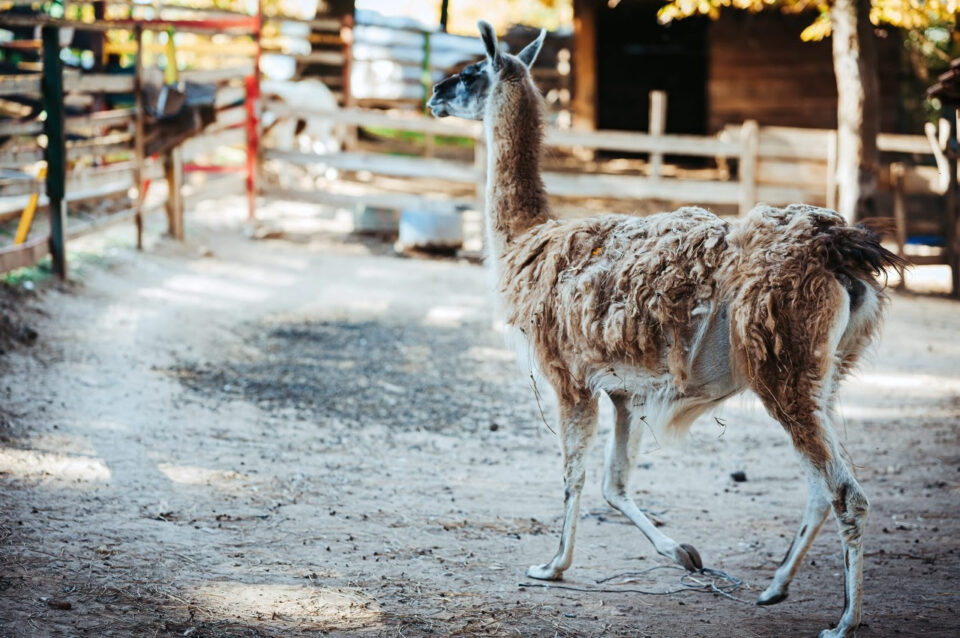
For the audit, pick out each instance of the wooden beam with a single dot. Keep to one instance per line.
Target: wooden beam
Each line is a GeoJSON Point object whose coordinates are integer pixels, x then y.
{"type": "Point", "coordinates": [379, 200]}
{"type": "Point", "coordinates": [25, 254]}
{"type": "Point", "coordinates": [19, 84]}
{"type": "Point", "coordinates": [628, 141]}
{"type": "Point", "coordinates": [97, 83]}
{"type": "Point", "coordinates": [395, 165]}
{"type": "Point", "coordinates": [633, 187]}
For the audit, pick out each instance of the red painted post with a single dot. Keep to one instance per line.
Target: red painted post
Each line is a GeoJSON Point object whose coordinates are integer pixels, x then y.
{"type": "Point", "coordinates": [252, 104]}
{"type": "Point", "coordinates": [253, 142]}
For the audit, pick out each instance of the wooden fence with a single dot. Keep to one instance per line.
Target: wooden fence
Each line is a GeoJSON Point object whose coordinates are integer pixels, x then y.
{"type": "Point", "coordinates": [77, 170]}
{"type": "Point", "coordinates": [754, 164]}
{"type": "Point", "coordinates": [773, 165]}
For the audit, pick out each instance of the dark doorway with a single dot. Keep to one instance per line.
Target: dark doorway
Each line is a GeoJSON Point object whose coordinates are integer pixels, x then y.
{"type": "Point", "coordinates": [636, 55]}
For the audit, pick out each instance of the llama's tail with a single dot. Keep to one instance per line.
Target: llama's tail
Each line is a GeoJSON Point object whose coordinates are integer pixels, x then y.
{"type": "Point", "coordinates": [856, 251]}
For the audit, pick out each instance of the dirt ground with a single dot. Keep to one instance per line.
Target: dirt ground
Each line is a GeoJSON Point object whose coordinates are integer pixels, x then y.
{"type": "Point", "coordinates": [277, 438]}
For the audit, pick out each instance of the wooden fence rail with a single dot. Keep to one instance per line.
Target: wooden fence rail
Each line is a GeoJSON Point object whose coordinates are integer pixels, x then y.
{"type": "Point", "coordinates": [773, 166]}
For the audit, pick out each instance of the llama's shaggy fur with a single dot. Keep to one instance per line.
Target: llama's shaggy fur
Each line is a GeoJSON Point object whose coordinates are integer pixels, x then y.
{"type": "Point", "coordinates": [671, 314]}
{"type": "Point", "coordinates": [598, 296]}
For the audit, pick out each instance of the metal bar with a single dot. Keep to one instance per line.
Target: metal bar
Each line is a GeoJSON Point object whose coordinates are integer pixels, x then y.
{"type": "Point", "coordinates": [56, 151]}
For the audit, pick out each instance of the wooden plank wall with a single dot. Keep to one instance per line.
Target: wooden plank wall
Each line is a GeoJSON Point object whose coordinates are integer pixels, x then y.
{"type": "Point", "coordinates": [761, 70]}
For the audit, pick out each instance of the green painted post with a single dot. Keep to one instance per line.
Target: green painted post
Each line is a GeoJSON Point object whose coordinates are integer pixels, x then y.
{"type": "Point", "coordinates": [56, 151]}
{"type": "Point", "coordinates": [427, 83]}
{"type": "Point", "coordinates": [425, 71]}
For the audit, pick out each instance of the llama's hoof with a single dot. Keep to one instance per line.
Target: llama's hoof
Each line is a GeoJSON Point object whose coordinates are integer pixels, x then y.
{"type": "Point", "coordinates": [772, 596]}
{"type": "Point", "coordinates": [839, 632]}
{"type": "Point", "coordinates": [544, 572]}
{"type": "Point", "coordinates": [688, 557]}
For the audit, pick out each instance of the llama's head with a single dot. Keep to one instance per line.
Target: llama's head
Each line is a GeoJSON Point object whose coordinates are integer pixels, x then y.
{"type": "Point", "coordinates": [465, 94]}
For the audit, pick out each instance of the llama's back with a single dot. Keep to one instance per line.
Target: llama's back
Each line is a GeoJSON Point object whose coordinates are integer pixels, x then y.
{"type": "Point", "coordinates": [687, 296]}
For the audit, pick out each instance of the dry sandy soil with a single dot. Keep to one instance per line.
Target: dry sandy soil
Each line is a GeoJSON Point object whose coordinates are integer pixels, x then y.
{"type": "Point", "coordinates": [319, 438]}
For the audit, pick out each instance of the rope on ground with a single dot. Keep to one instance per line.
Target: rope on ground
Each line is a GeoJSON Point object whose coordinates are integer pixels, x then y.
{"type": "Point", "coordinates": [705, 581]}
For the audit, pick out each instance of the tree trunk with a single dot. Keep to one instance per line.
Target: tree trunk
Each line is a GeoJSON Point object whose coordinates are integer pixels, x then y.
{"type": "Point", "coordinates": [858, 112]}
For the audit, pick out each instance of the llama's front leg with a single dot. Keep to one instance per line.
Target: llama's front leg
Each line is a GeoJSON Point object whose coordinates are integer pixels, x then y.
{"type": "Point", "coordinates": [620, 460]}
{"type": "Point", "coordinates": [578, 426]}
{"type": "Point", "coordinates": [818, 506]}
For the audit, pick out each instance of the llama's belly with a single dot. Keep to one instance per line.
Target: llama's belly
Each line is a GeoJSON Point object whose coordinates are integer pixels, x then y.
{"type": "Point", "coordinates": [669, 403]}
{"type": "Point", "coordinates": [707, 363]}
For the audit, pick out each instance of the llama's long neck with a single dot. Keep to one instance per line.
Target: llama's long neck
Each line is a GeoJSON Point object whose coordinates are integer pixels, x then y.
{"type": "Point", "coordinates": [515, 197]}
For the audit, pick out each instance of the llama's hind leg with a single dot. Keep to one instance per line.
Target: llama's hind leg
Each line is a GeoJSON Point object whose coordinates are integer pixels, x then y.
{"type": "Point", "coordinates": [620, 459]}
{"type": "Point", "coordinates": [578, 426]}
{"type": "Point", "coordinates": [818, 506]}
{"type": "Point", "coordinates": [815, 440]}
{"type": "Point", "coordinates": [850, 507]}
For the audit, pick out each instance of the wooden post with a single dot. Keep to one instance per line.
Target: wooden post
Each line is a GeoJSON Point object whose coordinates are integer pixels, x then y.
{"type": "Point", "coordinates": [832, 171]}
{"type": "Point", "coordinates": [138, 140]}
{"type": "Point", "coordinates": [56, 151]}
{"type": "Point", "coordinates": [173, 168]}
{"type": "Point", "coordinates": [350, 133]}
{"type": "Point", "coordinates": [897, 174]}
{"type": "Point", "coordinates": [749, 143]}
{"type": "Point", "coordinates": [952, 151]}
{"type": "Point", "coordinates": [585, 64]}
{"type": "Point", "coordinates": [657, 127]}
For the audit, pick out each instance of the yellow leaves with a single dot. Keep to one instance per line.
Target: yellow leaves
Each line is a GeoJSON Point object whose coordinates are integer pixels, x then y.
{"type": "Point", "coordinates": [683, 8]}
{"type": "Point", "coordinates": [819, 30]}
{"type": "Point", "coordinates": [914, 14]}
{"type": "Point", "coordinates": [908, 14]}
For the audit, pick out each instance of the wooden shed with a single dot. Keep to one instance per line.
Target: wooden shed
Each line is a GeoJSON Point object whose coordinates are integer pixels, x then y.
{"type": "Point", "coordinates": [715, 72]}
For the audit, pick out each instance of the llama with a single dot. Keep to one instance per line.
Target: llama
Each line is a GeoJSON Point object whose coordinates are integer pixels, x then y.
{"type": "Point", "coordinates": [670, 315]}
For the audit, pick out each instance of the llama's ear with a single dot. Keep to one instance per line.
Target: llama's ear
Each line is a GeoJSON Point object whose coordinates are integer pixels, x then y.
{"type": "Point", "coordinates": [489, 37]}
{"type": "Point", "coordinates": [529, 54]}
